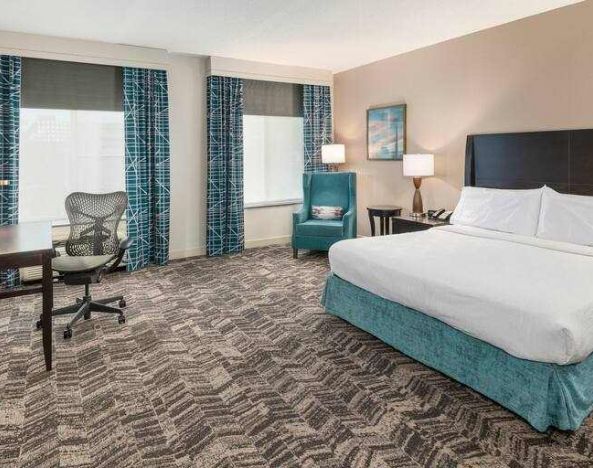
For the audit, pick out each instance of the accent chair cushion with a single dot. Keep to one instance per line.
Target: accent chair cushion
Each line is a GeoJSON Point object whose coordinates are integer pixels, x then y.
{"type": "Point", "coordinates": [320, 228]}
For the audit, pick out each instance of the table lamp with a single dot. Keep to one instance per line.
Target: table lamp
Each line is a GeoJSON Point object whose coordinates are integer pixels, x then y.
{"type": "Point", "coordinates": [418, 166]}
{"type": "Point", "coordinates": [332, 155]}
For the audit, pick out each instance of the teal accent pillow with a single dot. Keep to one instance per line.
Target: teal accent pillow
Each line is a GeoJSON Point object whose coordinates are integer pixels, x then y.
{"type": "Point", "coordinates": [327, 212]}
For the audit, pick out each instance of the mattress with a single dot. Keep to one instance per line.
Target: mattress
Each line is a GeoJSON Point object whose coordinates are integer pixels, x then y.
{"type": "Point", "coordinates": [533, 298]}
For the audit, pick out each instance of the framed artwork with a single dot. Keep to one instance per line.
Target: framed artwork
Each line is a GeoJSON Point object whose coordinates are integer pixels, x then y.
{"type": "Point", "coordinates": [386, 133]}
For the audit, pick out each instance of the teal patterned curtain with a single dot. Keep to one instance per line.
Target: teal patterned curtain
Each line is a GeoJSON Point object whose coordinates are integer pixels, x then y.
{"type": "Point", "coordinates": [225, 166]}
{"type": "Point", "coordinates": [317, 125]}
{"type": "Point", "coordinates": [10, 103]}
{"type": "Point", "coordinates": [146, 114]}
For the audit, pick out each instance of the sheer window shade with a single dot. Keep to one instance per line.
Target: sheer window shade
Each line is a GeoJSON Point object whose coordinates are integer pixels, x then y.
{"type": "Point", "coordinates": [272, 142]}
{"type": "Point", "coordinates": [272, 98]}
{"type": "Point", "coordinates": [54, 84]}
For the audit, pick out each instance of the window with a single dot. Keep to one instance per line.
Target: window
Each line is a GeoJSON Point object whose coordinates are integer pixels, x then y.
{"type": "Point", "coordinates": [72, 135]}
{"type": "Point", "coordinates": [273, 155]}
{"type": "Point", "coordinates": [273, 149]}
{"type": "Point", "coordinates": [64, 151]}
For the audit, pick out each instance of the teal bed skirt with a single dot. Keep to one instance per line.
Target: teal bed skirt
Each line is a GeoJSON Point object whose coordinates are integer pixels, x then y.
{"type": "Point", "coordinates": [544, 394]}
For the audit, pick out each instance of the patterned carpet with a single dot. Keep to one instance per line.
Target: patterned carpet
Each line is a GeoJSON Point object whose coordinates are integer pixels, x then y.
{"type": "Point", "coordinates": [233, 363]}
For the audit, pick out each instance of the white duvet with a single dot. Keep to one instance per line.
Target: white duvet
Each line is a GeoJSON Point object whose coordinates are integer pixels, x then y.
{"type": "Point", "coordinates": [532, 298]}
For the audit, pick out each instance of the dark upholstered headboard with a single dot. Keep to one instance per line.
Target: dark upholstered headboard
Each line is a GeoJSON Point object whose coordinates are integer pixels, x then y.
{"type": "Point", "coordinates": [561, 159]}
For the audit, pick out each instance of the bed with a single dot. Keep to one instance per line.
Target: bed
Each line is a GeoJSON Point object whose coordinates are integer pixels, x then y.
{"type": "Point", "coordinates": [509, 315]}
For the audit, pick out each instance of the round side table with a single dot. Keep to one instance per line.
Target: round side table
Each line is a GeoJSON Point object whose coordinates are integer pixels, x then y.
{"type": "Point", "coordinates": [384, 213]}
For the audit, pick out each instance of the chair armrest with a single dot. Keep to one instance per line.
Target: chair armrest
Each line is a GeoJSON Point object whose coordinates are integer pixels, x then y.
{"type": "Point", "coordinates": [300, 216]}
{"type": "Point", "coordinates": [125, 243]}
{"type": "Point", "coordinates": [349, 223]}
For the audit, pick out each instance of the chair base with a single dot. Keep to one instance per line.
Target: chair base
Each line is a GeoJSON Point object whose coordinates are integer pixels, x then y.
{"type": "Point", "coordinates": [314, 243]}
{"type": "Point", "coordinates": [83, 309]}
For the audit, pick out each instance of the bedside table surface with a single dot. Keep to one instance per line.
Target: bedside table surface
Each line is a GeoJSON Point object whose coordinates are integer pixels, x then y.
{"type": "Point", "coordinates": [384, 208]}
{"type": "Point", "coordinates": [422, 220]}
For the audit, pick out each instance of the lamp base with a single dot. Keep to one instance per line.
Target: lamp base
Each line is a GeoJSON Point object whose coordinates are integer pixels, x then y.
{"type": "Point", "coordinates": [417, 208]}
{"type": "Point", "coordinates": [417, 215]}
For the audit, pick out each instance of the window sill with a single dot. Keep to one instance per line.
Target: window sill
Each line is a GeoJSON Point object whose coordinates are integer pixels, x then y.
{"type": "Point", "coordinates": [266, 204]}
{"type": "Point", "coordinates": [59, 223]}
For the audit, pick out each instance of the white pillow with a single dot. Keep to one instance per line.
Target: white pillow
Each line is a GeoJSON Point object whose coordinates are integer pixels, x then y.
{"type": "Point", "coordinates": [566, 218]}
{"type": "Point", "coordinates": [513, 211]}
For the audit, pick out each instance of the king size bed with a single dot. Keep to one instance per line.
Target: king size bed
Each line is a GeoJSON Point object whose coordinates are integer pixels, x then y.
{"type": "Point", "coordinates": [506, 309]}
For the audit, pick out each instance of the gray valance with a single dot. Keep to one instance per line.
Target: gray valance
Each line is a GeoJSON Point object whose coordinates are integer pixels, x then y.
{"type": "Point", "coordinates": [272, 98]}
{"type": "Point", "coordinates": [55, 84]}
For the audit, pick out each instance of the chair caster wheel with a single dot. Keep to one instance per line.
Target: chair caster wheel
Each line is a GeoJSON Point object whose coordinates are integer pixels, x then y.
{"type": "Point", "coordinates": [67, 333]}
{"type": "Point", "coordinates": [121, 319]}
{"type": "Point", "coordinates": [122, 303]}
{"type": "Point", "coordinates": [39, 324]}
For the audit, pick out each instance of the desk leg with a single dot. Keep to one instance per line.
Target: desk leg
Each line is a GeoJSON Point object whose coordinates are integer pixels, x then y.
{"type": "Point", "coordinates": [48, 303]}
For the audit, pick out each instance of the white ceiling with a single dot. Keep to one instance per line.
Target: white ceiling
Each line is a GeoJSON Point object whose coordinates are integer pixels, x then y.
{"type": "Point", "coordinates": [329, 34]}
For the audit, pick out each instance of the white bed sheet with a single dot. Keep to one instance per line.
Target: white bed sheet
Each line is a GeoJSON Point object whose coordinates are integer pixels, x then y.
{"type": "Point", "coordinates": [531, 297]}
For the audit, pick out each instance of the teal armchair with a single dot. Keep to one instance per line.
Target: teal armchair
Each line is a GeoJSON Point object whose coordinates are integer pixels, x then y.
{"type": "Point", "coordinates": [325, 189]}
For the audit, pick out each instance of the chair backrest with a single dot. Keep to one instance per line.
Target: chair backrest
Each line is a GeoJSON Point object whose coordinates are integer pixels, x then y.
{"type": "Point", "coordinates": [94, 219]}
{"type": "Point", "coordinates": [330, 189]}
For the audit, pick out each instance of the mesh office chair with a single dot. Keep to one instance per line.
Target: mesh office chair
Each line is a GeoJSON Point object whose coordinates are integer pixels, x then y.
{"type": "Point", "coordinates": [93, 248]}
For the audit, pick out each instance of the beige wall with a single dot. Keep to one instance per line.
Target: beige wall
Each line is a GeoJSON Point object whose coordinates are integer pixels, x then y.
{"type": "Point", "coordinates": [533, 74]}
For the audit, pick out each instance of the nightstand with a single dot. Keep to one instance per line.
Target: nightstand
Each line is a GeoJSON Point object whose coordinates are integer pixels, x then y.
{"type": "Point", "coordinates": [406, 223]}
{"type": "Point", "coordinates": [384, 213]}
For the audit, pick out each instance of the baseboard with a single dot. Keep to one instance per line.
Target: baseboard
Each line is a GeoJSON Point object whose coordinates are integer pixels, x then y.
{"type": "Point", "coordinates": [249, 244]}
{"type": "Point", "coordinates": [187, 253]}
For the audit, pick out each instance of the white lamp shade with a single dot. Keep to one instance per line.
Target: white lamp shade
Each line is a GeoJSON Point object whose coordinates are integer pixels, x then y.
{"type": "Point", "coordinates": [333, 154]}
{"type": "Point", "coordinates": [418, 165]}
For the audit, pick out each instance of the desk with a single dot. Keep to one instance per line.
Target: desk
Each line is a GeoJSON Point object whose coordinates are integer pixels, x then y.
{"type": "Point", "coordinates": [24, 245]}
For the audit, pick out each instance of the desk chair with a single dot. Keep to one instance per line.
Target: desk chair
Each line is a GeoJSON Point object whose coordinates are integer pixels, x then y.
{"type": "Point", "coordinates": [92, 249]}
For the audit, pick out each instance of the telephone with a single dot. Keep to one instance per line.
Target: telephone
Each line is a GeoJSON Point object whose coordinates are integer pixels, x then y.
{"type": "Point", "coordinates": [441, 215]}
